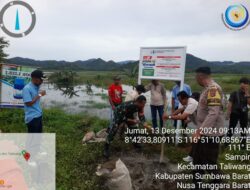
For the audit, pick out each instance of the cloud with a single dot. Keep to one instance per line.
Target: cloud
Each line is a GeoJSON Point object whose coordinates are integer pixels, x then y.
{"type": "Point", "coordinates": [116, 29]}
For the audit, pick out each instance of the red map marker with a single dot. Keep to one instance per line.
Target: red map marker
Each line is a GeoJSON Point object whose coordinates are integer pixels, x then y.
{"type": "Point", "coordinates": [26, 155]}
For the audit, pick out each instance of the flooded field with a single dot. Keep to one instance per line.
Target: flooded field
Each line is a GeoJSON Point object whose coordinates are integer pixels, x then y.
{"type": "Point", "coordinates": [95, 103]}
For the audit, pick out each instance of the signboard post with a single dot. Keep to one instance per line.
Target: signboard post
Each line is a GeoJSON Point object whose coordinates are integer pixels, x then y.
{"type": "Point", "coordinates": [163, 63]}
{"type": "Point", "coordinates": [13, 78]}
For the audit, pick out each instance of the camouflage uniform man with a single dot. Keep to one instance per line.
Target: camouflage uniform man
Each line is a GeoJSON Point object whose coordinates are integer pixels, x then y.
{"type": "Point", "coordinates": [125, 114]}
{"type": "Point", "coordinates": [210, 122]}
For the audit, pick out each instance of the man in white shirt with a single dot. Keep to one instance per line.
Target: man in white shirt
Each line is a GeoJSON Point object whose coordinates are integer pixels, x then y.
{"type": "Point", "coordinates": [187, 108]}
{"type": "Point", "coordinates": [186, 111]}
{"type": "Point", "coordinates": [158, 101]}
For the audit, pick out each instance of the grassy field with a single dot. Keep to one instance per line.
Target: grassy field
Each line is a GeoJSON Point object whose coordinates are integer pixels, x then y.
{"type": "Point", "coordinates": [229, 82]}
{"type": "Point", "coordinates": [75, 163]}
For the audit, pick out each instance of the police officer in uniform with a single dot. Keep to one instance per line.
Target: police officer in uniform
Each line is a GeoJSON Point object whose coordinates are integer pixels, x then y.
{"type": "Point", "coordinates": [210, 123]}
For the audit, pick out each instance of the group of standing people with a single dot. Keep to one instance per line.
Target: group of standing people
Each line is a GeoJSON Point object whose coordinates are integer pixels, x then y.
{"type": "Point", "coordinates": [204, 109]}
{"type": "Point", "coordinates": [158, 103]}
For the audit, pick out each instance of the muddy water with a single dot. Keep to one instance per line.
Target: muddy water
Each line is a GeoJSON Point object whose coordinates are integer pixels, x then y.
{"type": "Point", "coordinates": [85, 103]}
{"type": "Point", "coordinates": [77, 104]}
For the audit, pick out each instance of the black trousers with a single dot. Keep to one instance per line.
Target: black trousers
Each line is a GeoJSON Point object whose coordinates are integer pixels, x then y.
{"type": "Point", "coordinates": [193, 150]}
{"type": "Point", "coordinates": [234, 119]}
{"type": "Point", "coordinates": [35, 125]}
{"type": "Point", "coordinates": [206, 153]}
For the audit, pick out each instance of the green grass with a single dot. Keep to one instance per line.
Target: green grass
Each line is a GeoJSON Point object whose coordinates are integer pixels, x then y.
{"type": "Point", "coordinates": [228, 82]}
{"type": "Point", "coordinates": [175, 154]}
{"type": "Point", "coordinates": [98, 105]}
{"type": "Point", "coordinates": [103, 96]}
{"type": "Point", "coordinates": [95, 105]}
{"type": "Point", "coordinates": [102, 79]}
{"type": "Point", "coordinates": [75, 163]}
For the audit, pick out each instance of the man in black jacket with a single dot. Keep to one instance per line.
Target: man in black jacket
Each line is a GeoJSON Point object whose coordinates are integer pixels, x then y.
{"type": "Point", "coordinates": [238, 108]}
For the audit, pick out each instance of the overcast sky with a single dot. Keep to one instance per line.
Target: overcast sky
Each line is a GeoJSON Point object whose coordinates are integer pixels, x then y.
{"type": "Point", "coordinates": [116, 29]}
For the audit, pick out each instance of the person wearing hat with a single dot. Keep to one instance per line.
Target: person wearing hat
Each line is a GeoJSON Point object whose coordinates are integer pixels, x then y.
{"type": "Point", "coordinates": [31, 99]}
{"type": "Point", "coordinates": [131, 96]}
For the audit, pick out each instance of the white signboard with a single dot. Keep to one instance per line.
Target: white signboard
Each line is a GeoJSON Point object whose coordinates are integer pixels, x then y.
{"type": "Point", "coordinates": [165, 63]}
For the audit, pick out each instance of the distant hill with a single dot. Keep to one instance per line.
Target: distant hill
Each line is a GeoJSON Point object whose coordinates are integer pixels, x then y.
{"type": "Point", "coordinates": [125, 62]}
{"type": "Point", "coordinates": [99, 64]}
{"type": "Point", "coordinates": [193, 62]}
{"type": "Point", "coordinates": [91, 64]}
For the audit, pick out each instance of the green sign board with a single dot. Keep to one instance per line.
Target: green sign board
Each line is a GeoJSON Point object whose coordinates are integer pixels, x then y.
{"type": "Point", "coordinates": [148, 72]}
